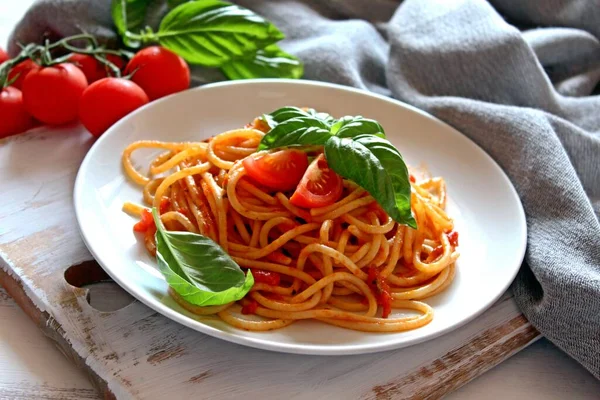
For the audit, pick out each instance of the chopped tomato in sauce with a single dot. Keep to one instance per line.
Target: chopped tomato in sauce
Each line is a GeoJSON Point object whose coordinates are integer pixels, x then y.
{"type": "Point", "coordinates": [145, 223]}
{"type": "Point", "coordinates": [381, 290]}
{"type": "Point", "coordinates": [411, 177]}
{"type": "Point", "coordinates": [453, 238]}
{"type": "Point", "coordinates": [165, 203]}
{"type": "Point", "coordinates": [267, 277]}
{"type": "Point", "coordinates": [250, 307]}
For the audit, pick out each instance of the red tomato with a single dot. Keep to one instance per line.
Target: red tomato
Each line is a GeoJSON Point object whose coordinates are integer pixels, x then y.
{"type": "Point", "coordinates": [22, 69]}
{"type": "Point", "coordinates": [320, 186]}
{"type": "Point", "coordinates": [159, 71]}
{"type": "Point", "coordinates": [268, 277]}
{"type": "Point", "coordinates": [3, 55]}
{"type": "Point", "coordinates": [88, 65]}
{"type": "Point", "coordinates": [381, 290]}
{"type": "Point", "coordinates": [108, 100]}
{"type": "Point", "coordinates": [250, 307]}
{"type": "Point", "coordinates": [453, 238]}
{"type": "Point", "coordinates": [51, 94]}
{"type": "Point", "coordinates": [146, 222]}
{"type": "Point", "coordinates": [118, 61]}
{"type": "Point", "coordinates": [280, 170]}
{"type": "Point", "coordinates": [13, 117]}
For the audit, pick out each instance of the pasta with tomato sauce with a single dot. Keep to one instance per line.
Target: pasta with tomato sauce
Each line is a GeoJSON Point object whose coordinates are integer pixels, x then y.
{"type": "Point", "coordinates": [319, 246]}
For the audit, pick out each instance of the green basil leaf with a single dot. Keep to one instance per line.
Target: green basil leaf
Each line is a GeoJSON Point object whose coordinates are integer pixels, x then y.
{"type": "Point", "coordinates": [212, 32]}
{"type": "Point", "coordinates": [299, 131]}
{"type": "Point", "coordinates": [198, 269]}
{"type": "Point", "coordinates": [354, 126]}
{"type": "Point", "coordinates": [377, 166]}
{"type": "Point", "coordinates": [129, 15]}
{"type": "Point", "coordinates": [270, 62]}
{"type": "Point", "coordinates": [285, 113]}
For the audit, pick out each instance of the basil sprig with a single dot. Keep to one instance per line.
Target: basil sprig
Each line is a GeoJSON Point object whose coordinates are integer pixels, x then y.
{"type": "Point", "coordinates": [212, 33]}
{"type": "Point", "coordinates": [355, 148]}
{"type": "Point", "coordinates": [198, 269]}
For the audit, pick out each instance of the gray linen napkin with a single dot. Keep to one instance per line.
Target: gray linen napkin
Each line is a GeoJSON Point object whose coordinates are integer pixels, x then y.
{"type": "Point", "coordinates": [526, 95]}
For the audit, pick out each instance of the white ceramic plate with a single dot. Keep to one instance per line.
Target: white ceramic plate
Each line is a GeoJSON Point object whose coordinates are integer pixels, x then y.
{"type": "Point", "coordinates": [482, 201]}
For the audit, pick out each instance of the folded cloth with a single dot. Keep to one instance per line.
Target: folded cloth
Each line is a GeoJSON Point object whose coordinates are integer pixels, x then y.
{"type": "Point", "coordinates": [517, 77]}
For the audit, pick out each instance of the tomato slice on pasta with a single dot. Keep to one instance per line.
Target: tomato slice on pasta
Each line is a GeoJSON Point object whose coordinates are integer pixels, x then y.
{"type": "Point", "coordinates": [320, 186]}
{"type": "Point", "coordinates": [280, 170]}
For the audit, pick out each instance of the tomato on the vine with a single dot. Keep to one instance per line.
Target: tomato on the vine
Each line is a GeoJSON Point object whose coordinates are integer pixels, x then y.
{"type": "Point", "coordinates": [51, 94]}
{"type": "Point", "coordinates": [13, 116]}
{"type": "Point", "coordinates": [3, 55]}
{"type": "Point", "coordinates": [17, 74]}
{"type": "Point", "coordinates": [159, 71]}
{"type": "Point", "coordinates": [279, 170]}
{"type": "Point", "coordinates": [108, 100]}
{"type": "Point", "coordinates": [320, 186]}
{"type": "Point", "coordinates": [88, 65]}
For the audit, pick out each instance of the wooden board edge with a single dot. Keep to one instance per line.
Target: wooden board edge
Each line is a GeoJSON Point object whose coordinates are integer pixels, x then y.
{"type": "Point", "coordinates": [52, 329]}
{"type": "Point", "coordinates": [462, 364]}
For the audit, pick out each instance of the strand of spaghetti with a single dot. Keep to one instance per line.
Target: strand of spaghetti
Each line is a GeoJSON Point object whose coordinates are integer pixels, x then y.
{"type": "Point", "coordinates": [221, 208]}
{"type": "Point", "coordinates": [133, 209]}
{"type": "Point", "coordinates": [240, 226]}
{"type": "Point", "coordinates": [256, 227]}
{"type": "Point", "coordinates": [335, 256]}
{"type": "Point", "coordinates": [382, 254]}
{"type": "Point", "coordinates": [368, 228]}
{"type": "Point", "coordinates": [280, 306]}
{"type": "Point", "coordinates": [347, 305]}
{"type": "Point", "coordinates": [451, 273]}
{"type": "Point", "coordinates": [391, 324]}
{"type": "Point", "coordinates": [203, 217]}
{"type": "Point", "coordinates": [176, 159]}
{"type": "Point", "coordinates": [407, 247]}
{"type": "Point", "coordinates": [442, 262]}
{"type": "Point", "coordinates": [257, 287]}
{"type": "Point", "coordinates": [297, 211]}
{"type": "Point", "coordinates": [277, 243]}
{"type": "Point", "coordinates": [259, 194]}
{"type": "Point", "coordinates": [179, 217]}
{"type": "Point", "coordinates": [394, 255]}
{"type": "Point", "coordinates": [345, 208]}
{"type": "Point", "coordinates": [150, 189]}
{"type": "Point", "coordinates": [282, 269]}
{"type": "Point", "coordinates": [356, 193]}
{"type": "Point", "coordinates": [420, 292]}
{"type": "Point", "coordinates": [228, 136]}
{"type": "Point", "coordinates": [263, 238]}
{"type": "Point", "coordinates": [169, 180]}
{"type": "Point", "coordinates": [161, 158]}
{"type": "Point", "coordinates": [261, 326]}
{"type": "Point", "coordinates": [126, 157]}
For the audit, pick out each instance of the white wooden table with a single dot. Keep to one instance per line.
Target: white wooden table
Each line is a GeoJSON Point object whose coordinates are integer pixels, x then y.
{"type": "Point", "coordinates": [31, 367]}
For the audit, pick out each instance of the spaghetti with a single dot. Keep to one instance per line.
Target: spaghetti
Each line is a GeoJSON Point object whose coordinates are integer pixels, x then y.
{"type": "Point", "coordinates": [346, 264]}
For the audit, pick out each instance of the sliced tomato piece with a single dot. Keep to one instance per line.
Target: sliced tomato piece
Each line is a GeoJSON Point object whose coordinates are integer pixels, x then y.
{"type": "Point", "coordinates": [320, 186]}
{"type": "Point", "coordinates": [280, 170]}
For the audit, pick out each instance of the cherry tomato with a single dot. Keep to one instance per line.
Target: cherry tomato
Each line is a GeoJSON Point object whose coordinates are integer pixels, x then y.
{"type": "Point", "coordinates": [88, 65]}
{"type": "Point", "coordinates": [159, 71]}
{"type": "Point", "coordinates": [20, 71]}
{"type": "Point", "coordinates": [51, 94]}
{"type": "Point", "coordinates": [13, 117]}
{"type": "Point", "coordinates": [3, 55]}
{"type": "Point", "coordinates": [320, 186]}
{"type": "Point", "coordinates": [280, 170]}
{"type": "Point", "coordinates": [118, 61]}
{"type": "Point", "coordinates": [268, 277]}
{"type": "Point", "coordinates": [108, 100]}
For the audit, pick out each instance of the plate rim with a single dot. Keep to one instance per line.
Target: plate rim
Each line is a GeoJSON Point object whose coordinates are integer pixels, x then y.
{"type": "Point", "coordinates": [306, 349]}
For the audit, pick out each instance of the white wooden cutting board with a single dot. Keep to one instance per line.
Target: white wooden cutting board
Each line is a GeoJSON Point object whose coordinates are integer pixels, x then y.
{"type": "Point", "coordinates": [136, 353]}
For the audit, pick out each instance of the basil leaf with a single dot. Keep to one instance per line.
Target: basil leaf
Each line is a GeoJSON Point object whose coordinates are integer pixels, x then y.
{"type": "Point", "coordinates": [285, 113]}
{"type": "Point", "coordinates": [354, 126]}
{"type": "Point", "coordinates": [374, 164]}
{"type": "Point", "coordinates": [212, 32]}
{"type": "Point", "coordinates": [198, 269]}
{"type": "Point", "coordinates": [270, 62]}
{"type": "Point", "coordinates": [299, 131]}
{"type": "Point", "coordinates": [129, 15]}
